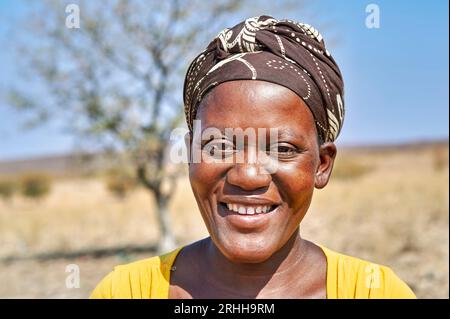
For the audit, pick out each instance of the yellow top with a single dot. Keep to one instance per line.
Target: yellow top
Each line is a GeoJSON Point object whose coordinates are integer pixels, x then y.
{"type": "Point", "coordinates": [347, 277]}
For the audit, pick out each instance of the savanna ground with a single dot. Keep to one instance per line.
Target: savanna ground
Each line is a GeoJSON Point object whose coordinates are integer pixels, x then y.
{"type": "Point", "coordinates": [385, 205]}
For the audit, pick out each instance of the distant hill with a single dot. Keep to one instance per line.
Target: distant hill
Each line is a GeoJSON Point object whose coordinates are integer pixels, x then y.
{"type": "Point", "coordinates": [77, 164]}
{"type": "Point", "coordinates": [68, 164]}
{"type": "Point", "coordinates": [410, 146]}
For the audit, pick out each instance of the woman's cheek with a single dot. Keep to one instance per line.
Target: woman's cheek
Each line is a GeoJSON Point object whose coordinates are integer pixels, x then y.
{"type": "Point", "coordinates": [201, 175]}
{"type": "Point", "coordinates": [202, 184]}
{"type": "Point", "coordinates": [206, 179]}
{"type": "Point", "coordinates": [296, 184]}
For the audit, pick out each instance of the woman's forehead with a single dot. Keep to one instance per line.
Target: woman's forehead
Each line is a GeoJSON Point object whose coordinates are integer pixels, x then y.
{"type": "Point", "coordinates": [254, 104]}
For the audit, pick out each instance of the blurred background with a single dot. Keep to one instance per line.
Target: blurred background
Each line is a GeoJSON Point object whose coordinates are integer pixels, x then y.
{"type": "Point", "coordinates": [90, 92]}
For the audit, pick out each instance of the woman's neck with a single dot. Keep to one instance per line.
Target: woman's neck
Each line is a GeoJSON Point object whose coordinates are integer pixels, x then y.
{"type": "Point", "coordinates": [251, 279]}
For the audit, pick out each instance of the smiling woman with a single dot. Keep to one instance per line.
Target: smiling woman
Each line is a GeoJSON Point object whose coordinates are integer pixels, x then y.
{"type": "Point", "coordinates": [262, 74]}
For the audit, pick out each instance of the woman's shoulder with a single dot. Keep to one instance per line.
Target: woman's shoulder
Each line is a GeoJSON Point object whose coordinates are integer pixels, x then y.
{"type": "Point", "coordinates": [352, 277]}
{"type": "Point", "coordinates": [145, 278]}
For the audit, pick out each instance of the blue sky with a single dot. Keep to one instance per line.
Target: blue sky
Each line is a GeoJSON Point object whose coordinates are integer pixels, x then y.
{"type": "Point", "coordinates": [396, 77]}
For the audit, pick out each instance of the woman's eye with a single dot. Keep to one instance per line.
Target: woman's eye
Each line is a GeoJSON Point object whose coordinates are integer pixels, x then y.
{"type": "Point", "coordinates": [283, 150]}
{"type": "Point", "coordinates": [219, 149]}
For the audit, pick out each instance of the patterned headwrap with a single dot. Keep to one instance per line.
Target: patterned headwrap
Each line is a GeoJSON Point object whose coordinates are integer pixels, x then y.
{"type": "Point", "coordinates": [284, 52]}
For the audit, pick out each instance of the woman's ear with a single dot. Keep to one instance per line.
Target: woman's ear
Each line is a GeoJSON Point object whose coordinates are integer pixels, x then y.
{"type": "Point", "coordinates": [327, 154]}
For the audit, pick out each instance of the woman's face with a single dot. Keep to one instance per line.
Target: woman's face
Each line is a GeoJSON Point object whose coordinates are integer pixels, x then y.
{"type": "Point", "coordinates": [270, 202]}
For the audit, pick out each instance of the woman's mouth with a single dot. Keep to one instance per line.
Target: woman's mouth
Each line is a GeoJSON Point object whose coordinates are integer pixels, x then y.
{"type": "Point", "coordinates": [249, 217]}
{"type": "Point", "coordinates": [248, 209]}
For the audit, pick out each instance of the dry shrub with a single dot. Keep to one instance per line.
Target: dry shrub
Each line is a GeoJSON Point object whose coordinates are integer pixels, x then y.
{"type": "Point", "coordinates": [7, 188]}
{"type": "Point", "coordinates": [440, 158]}
{"type": "Point", "coordinates": [35, 185]}
{"type": "Point", "coordinates": [120, 183]}
{"type": "Point", "coordinates": [346, 168]}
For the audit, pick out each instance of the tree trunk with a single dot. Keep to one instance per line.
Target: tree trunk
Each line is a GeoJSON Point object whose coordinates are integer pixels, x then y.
{"type": "Point", "coordinates": [167, 240]}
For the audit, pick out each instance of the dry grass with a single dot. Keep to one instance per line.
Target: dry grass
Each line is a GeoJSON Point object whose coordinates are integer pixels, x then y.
{"type": "Point", "coordinates": [394, 213]}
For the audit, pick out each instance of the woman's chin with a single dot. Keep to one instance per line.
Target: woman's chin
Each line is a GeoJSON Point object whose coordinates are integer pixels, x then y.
{"type": "Point", "coordinates": [246, 252]}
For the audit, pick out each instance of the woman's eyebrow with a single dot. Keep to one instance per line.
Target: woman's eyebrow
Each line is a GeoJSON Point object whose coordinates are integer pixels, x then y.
{"type": "Point", "coordinates": [211, 130]}
{"type": "Point", "coordinates": [282, 133]}
{"type": "Point", "coordinates": [214, 132]}
{"type": "Point", "coordinates": [289, 134]}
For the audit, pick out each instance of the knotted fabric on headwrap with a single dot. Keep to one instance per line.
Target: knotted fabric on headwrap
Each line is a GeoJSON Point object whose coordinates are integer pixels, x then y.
{"type": "Point", "coordinates": [284, 52]}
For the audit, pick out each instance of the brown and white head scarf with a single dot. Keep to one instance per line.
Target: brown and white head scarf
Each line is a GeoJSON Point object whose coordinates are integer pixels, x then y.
{"type": "Point", "coordinates": [284, 52]}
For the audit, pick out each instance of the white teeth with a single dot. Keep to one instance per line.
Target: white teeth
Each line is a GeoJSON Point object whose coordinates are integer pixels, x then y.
{"type": "Point", "coordinates": [248, 210]}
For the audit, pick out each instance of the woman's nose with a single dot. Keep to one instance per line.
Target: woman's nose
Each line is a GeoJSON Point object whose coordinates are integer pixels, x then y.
{"type": "Point", "coordinates": [248, 176]}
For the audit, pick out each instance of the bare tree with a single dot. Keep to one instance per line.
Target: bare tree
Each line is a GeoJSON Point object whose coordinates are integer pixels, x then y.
{"type": "Point", "coordinates": [117, 79]}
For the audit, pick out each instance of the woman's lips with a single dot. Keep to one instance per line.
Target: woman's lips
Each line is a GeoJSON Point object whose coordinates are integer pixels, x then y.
{"type": "Point", "coordinates": [246, 218]}
{"type": "Point", "coordinates": [243, 209]}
